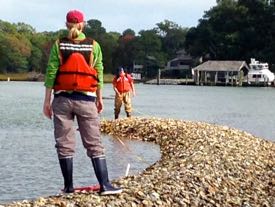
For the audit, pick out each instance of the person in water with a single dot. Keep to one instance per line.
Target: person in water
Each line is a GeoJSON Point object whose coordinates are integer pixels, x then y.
{"type": "Point", "coordinates": [123, 86]}
{"type": "Point", "coordinates": [75, 76]}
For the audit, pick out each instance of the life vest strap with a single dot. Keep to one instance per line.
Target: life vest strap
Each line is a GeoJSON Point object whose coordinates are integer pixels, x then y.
{"type": "Point", "coordinates": [79, 73]}
{"type": "Point", "coordinates": [91, 60]}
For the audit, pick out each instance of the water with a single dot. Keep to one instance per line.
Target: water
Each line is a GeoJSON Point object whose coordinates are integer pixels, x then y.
{"type": "Point", "coordinates": [28, 161]}
{"type": "Point", "coordinates": [29, 165]}
{"type": "Point", "coordinates": [245, 108]}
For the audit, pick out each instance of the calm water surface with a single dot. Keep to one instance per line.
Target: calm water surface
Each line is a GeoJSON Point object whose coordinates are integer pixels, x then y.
{"type": "Point", "coordinates": [28, 161]}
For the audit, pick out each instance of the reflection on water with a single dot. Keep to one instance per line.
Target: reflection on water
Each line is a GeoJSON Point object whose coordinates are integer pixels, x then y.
{"type": "Point", "coordinates": [138, 154]}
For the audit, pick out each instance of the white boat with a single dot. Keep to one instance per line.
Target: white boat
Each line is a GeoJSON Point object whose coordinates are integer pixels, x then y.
{"type": "Point", "coordinates": [259, 73]}
{"type": "Point", "coordinates": [136, 76]}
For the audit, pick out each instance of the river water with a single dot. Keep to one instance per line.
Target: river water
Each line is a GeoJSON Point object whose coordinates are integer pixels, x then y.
{"type": "Point", "coordinates": [28, 163]}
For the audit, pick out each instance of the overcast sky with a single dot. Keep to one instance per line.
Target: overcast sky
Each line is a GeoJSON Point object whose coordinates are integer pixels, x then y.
{"type": "Point", "coordinates": [115, 15]}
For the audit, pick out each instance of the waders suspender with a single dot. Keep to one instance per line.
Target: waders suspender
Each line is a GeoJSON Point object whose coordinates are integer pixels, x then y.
{"type": "Point", "coordinates": [91, 61]}
{"type": "Point", "coordinates": [59, 53]}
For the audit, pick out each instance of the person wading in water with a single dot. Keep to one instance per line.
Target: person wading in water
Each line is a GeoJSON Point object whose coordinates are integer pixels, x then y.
{"type": "Point", "coordinates": [75, 75]}
{"type": "Point", "coordinates": [123, 86]}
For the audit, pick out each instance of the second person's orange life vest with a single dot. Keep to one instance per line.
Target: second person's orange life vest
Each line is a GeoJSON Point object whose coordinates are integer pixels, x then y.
{"type": "Point", "coordinates": [76, 72]}
{"type": "Point", "coordinates": [123, 83]}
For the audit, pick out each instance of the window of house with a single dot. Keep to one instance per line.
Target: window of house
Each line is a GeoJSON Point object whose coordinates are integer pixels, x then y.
{"type": "Point", "coordinates": [256, 76]}
{"type": "Point", "coordinates": [174, 63]}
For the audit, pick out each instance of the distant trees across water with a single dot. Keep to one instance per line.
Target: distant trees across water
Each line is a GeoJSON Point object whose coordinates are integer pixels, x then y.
{"type": "Point", "coordinates": [231, 30]}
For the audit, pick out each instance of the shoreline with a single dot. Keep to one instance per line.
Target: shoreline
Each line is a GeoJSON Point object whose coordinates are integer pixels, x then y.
{"type": "Point", "coordinates": [108, 78]}
{"type": "Point", "coordinates": [38, 77]}
{"type": "Point", "coordinates": [201, 164]}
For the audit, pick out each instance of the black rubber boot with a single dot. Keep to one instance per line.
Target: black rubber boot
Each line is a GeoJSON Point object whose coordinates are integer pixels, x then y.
{"type": "Point", "coordinates": [100, 168]}
{"type": "Point", "coordinates": [66, 166]}
{"type": "Point", "coordinates": [128, 114]}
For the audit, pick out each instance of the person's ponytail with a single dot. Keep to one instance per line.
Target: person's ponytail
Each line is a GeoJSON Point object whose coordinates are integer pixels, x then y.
{"type": "Point", "coordinates": [74, 29]}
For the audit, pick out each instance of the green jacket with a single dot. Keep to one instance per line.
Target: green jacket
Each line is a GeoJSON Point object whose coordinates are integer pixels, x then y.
{"type": "Point", "coordinates": [54, 63]}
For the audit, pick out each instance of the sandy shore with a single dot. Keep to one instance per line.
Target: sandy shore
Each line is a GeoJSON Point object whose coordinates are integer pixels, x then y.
{"type": "Point", "coordinates": [201, 165]}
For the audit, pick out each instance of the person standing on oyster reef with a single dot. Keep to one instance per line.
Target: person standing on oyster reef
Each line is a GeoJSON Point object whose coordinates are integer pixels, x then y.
{"type": "Point", "coordinates": [124, 88]}
{"type": "Point", "coordinates": [75, 76]}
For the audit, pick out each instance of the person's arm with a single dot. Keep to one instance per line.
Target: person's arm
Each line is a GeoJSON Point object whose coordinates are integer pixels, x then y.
{"type": "Point", "coordinates": [52, 67]}
{"type": "Point", "coordinates": [99, 100]}
{"type": "Point", "coordinates": [47, 108]}
{"type": "Point", "coordinates": [98, 65]}
{"type": "Point", "coordinates": [50, 76]}
{"type": "Point", "coordinates": [114, 86]}
{"type": "Point", "coordinates": [133, 88]}
{"type": "Point", "coordinates": [117, 92]}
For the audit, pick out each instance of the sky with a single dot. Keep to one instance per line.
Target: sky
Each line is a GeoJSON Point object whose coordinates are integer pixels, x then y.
{"type": "Point", "coordinates": [115, 15]}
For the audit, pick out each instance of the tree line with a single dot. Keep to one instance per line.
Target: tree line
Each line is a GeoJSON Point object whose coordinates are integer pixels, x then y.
{"type": "Point", "coordinates": [231, 30]}
{"type": "Point", "coordinates": [235, 30]}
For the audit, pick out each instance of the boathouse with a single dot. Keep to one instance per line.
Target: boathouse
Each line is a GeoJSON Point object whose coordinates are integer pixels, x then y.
{"type": "Point", "coordinates": [220, 72]}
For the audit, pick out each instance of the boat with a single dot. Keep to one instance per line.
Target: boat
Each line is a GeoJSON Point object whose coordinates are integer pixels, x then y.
{"type": "Point", "coordinates": [259, 73]}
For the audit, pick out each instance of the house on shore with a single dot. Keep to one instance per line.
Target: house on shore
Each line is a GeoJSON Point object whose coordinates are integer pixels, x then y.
{"type": "Point", "coordinates": [220, 72]}
{"type": "Point", "coordinates": [178, 67]}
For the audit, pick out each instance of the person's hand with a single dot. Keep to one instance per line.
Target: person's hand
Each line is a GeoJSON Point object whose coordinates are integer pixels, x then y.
{"type": "Point", "coordinates": [134, 93]}
{"type": "Point", "coordinates": [99, 105]}
{"type": "Point", "coordinates": [118, 94]}
{"type": "Point", "coordinates": [47, 109]}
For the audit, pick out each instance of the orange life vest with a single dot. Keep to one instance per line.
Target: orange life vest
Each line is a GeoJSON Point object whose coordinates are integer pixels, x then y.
{"type": "Point", "coordinates": [123, 83]}
{"type": "Point", "coordinates": [76, 72]}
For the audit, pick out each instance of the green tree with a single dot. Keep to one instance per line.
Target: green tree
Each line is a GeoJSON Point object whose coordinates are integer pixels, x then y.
{"type": "Point", "coordinates": [95, 30]}
{"type": "Point", "coordinates": [150, 52]}
{"type": "Point", "coordinates": [109, 44]}
{"type": "Point", "coordinates": [125, 50]}
{"type": "Point", "coordinates": [25, 29]}
{"type": "Point", "coordinates": [235, 30]}
{"type": "Point", "coordinates": [7, 28]}
{"type": "Point", "coordinates": [129, 32]}
{"type": "Point", "coordinates": [172, 37]}
{"type": "Point", "coordinates": [260, 30]}
{"type": "Point", "coordinates": [174, 41]}
{"type": "Point", "coordinates": [17, 51]}
{"type": "Point", "coordinates": [39, 53]}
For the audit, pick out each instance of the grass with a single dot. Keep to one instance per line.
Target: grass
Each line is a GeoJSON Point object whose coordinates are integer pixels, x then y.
{"type": "Point", "coordinates": [108, 78]}
{"type": "Point", "coordinates": [14, 76]}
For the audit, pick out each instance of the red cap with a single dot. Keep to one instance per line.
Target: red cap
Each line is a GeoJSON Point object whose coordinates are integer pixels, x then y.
{"type": "Point", "coordinates": [75, 16]}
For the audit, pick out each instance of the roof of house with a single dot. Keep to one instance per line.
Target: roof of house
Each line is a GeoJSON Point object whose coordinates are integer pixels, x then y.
{"type": "Point", "coordinates": [181, 55]}
{"type": "Point", "coordinates": [186, 57]}
{"type": "Point", "coordinates": [221, 65]}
